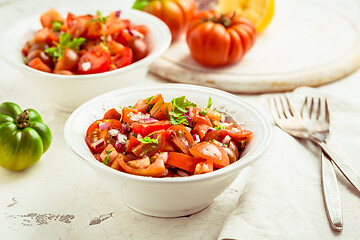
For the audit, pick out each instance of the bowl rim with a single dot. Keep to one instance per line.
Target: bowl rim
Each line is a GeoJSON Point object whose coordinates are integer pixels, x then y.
{"type": "Point", "coordinates": [243, 162]}
{"type": "Point", "coordinates": [160, 25]}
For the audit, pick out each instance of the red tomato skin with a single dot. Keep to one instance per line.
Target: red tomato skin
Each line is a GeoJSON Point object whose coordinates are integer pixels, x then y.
{"type": "Point", "coordinates": [175, 13]}
{"type": "Point", "coordinates": [112, 114]}
{"type": "Point", "coordinates": [99, 59]}
{"type": "Point", "coordinates": [146, 129]}
{"type": "Point", "coordinates": [214, 44]}
{"type": "Point", "coordinates": [182, 161]}
{"type": "Point", "coordinates": [38, 64]}
{"type": "Point", "coordinates": [212, 153]}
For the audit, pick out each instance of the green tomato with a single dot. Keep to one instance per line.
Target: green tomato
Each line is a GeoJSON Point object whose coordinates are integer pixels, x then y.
{"type": "Point", "coordinates": [23, 137]}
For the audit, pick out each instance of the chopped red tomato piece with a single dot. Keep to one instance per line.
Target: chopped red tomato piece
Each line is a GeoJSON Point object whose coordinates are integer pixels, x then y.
{"type": "Point", "coordinates": [96, 60]}
{"type": "Point", "coordinates": [39, 65]}
{"type": "Point", "coordinates": [145, 129]}
{"type": "Point", "coordinates": [182, 161]}
{"type": "Point", "coordinates": [211, 152]}
{"type": "Point", "coordinates": [204, 167]}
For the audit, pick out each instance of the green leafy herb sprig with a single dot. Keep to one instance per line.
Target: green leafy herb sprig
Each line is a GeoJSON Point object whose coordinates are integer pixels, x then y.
{"type": "Point", "coordinates": [102, 20]}
{"type": "Point", "coordinates": [179, 108]}
{"type": "Point", "coordinates": [65, 41]}
{"type": "Point", "coordinates": [204, 111]}
{"type": "Point", "coordinates": [148, 140]}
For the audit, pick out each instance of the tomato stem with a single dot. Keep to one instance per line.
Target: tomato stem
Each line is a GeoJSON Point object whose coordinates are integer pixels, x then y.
{"type": "Point", "coordinates": [225, 21]}
{"type": "Point", "coordinates": [22, 120]}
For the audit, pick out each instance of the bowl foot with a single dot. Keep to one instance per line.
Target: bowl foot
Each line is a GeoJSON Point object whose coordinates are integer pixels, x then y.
{"type": "Point", "coordinates": [169, 214]}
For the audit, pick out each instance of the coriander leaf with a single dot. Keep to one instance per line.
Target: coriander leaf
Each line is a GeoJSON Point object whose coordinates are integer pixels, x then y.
{"type": "Point", "coordinates": [148, 99]}
{"type": "Point", "coordinates": [106, 160]}
{"type": "Point", "coordinates": [209, 103]}
{"type": "Point", "coordinates": [76, 43]}
{"type": "Point", "coordinates": [148, 140]}
{"type": "Point", "coordinates": [65, 41]}
{"type": "Point", "coordinates": [179, 108]}
{"type": "Point", "coordinates": [203, 112]}
{"type": "Point", "coordinates": [131, 107]}
{"type": "Point", "coordinates": [220, 127]}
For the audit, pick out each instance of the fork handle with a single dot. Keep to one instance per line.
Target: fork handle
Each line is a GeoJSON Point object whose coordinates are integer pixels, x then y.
{"type": "Point", "coordinates": [331, 193]}
{"type": "Point", "coordinates": [352, 176]}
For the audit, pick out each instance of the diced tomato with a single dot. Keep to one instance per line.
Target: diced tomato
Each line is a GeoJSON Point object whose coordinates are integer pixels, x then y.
{"type": "Point", "coordinates": [115, 47]}
{"type": "Point", "coordinates": [123, 58]}
{"type": "Point", "coordinates": [123, 37]}
{"type": "Point", "coordinates": [37, 64]}
{"type": "Point", "coordinates": [49, 17]}
{"type": "Point", "coordinates": [237, 135]}
{"type": "Point", "coordinates": [156, 107]}
{"type": "Point", "coordinates": [200, 129]}
{"type": "Point", "coordinates": [149, 149]}
{"type": "Point", "coordinates": [143, 29]}
{"type": "Point", "coordinates": [133, 142]}
{"type": "Point", "coordinates": [68, 61]}
{"type": "Point", "coordinates": [163, 112]}
{"type": "Point", "coordinates": [114, 24]}
{"type": "Point", "coordinates": [94, 135]}
{"type": "Point", "coordinates": [145, 105]}
{"type": "Point", "coordinates": [111, 156]}
{"type": "Point", "coordinates": [145, 129]}
{"type": "Point", "coordinates": [139, 163]}
{"type": "Point", "coordinates": [155, 169]}
{"type": "Point", "coordinates": [127, 113]}
{"type": "Point", "coordinates": [182, 161]}
{"type": "Point", "coordinates": [42, 36]}
{"type": "Point", "coordinates": [204, 167]}
{"type": "Point", "coordinates": [94, 30]}
{"type": "Point", "coordinates": [181, 138]}
{"type": "Point", "coordinates": [77, 26]}
{"type": "Point", "coordinates": [112, 114]}
{"type": "Point", "coordinates": [96, 60]}
{"type": "Point", "coordinates": [211, 152]}
{"type": "Point", "coordinates": [199, 118]}
{"type": "Point", "coordinates": [213, 115]}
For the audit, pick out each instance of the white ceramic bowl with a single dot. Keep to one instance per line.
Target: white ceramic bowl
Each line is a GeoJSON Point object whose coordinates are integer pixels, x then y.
{"type": "Point", "coordinates": [69, 92]}
{"type": "Point", "coordinates": [168, 197]}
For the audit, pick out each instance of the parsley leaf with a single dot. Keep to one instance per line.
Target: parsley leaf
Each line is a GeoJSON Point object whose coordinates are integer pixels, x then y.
{"type": "Point", "coordinates": [209, 103]}
{"type": "Point", "coordinates": [179, 108]}
{"type": "Point", "coordinates": [106, 160]}
{"type": "Point", "coordinates": [148, 140]}
{"type": "Point", "coordinates": [148, 99]}
{"type": "Point", "coordinates": [204, 112]}
{"type": "Point", "coordinates": [220, 127]}
{"type": "Point", "coordinates": [65, 41]}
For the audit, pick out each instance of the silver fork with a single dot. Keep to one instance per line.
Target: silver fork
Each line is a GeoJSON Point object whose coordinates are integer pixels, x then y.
{"type": "Point", "coordinates": [317, 119]}
{"type": "Point", "coordinates": [288, 119]}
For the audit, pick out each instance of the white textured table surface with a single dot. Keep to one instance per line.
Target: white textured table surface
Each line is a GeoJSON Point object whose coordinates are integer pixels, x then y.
{"type": "Point", "coordinates": [278, 198]}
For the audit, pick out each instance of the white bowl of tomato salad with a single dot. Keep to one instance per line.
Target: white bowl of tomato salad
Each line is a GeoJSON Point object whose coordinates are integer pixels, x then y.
{"type": "Point", "coordinates": [167, 150]}
{"type": "Point", "coordinates": [68, 57]}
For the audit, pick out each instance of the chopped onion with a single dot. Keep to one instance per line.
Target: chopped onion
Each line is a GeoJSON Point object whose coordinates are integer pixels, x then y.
{"type": "Point", "coordinates": [86, 66]}
{"type": "Point", "coordinates": [137, 34]}
{"type": "Point", "coordinates": [120, 147]}
{"type": "Point", "coordinates": [222, 117]}
{"type": "Point", "coordinates": [235, 130]}
{"type": "Point", "coordinates": [113, 132]}
{"type": "Point", "coordinates": [117, 13]}
{"type": "Point", "coordinates": [121, 138]}
{"type": "Point", "coordinates": [188, 128]}
{"type": "Point", "coordinates": [125, 127]}
{"type": "Point", "coordinates": [164, 156]}
{"type": "Point", "coordinates": [210, 129]}
{"type": "Point", "coordinates": [98, 144]}
{"type": "Point", "coordinates": [149, 120]}
{"type": "Point", "coordinates": [189, 119]}
{"type": "Point", "coordinates": [139, 116]}
{"type": "Point", "coordinates": [226, 140]}
{"type": "Point", "coordinates": [103, 126]}
{"type": "Point", "coordinates": [196, 138]}
{"type": "Point", "coordinates": [182, 173]}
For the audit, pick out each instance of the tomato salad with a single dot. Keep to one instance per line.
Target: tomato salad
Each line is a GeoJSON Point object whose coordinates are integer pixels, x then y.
{"type": "Point", "coordinates": [166, 139]}
{"type": "Point", "coordinates": [85, 44]}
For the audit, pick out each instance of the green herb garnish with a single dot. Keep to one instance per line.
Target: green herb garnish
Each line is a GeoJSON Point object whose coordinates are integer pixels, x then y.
{"type": "Point", "coordinates": [56, 25]}
{"type": "Point", "coordinates": [204, 111]}
{"type": "Point", "coordinates": [179, 108]}
{"type": "Point", "coordinates": [106, 160]}
{"type": "Point", "coordinates": [102, 20]}
{"type": "Point", "coordinates": [220, 127]}
{"type": "Point", "coordinates": [131, 107]}
{"type": "Point", "coordinates": [148, 140]}
{"type": "Point", "coordinates": [148, 99]}
{"type": "Point", "coordinates": [65, 41]}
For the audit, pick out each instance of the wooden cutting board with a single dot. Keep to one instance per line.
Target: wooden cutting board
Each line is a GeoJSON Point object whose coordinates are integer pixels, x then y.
{"type": "Point", "coordinates": [306, 44]}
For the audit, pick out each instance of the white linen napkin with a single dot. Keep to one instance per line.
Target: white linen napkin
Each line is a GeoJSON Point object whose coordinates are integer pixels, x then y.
{"type": "Point", "coordinates": [283, 196]}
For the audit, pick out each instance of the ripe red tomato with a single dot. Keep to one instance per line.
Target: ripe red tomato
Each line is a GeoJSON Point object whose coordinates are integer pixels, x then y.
{"type": "Point", "coordinates": [175, 13]}
{"type": "Point", "coordinates": [216, 39]}
{"type": "Point", "coordinates": [94, 135]}
{"type": "Point", "coordinates": [96, 60]}
{"type": "Point", "coordinates": [211, 152]}
{"type": "Point", "coordinates": [145, 129]}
